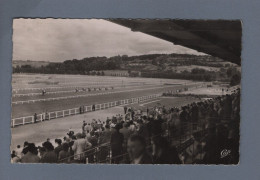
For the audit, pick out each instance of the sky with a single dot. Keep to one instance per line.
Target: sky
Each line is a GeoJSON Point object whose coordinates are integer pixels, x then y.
{"type": "Point", "coordinates": [57, 40]}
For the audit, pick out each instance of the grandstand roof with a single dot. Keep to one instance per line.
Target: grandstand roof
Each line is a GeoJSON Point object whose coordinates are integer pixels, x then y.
{"type": "Point", "coordinates": [219, 38]}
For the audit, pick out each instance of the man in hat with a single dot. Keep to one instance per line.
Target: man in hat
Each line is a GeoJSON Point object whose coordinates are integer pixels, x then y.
{"type": "Point", "coordinates": [136, 147]}
{"type": "Point", "coordinates": [79, 146]}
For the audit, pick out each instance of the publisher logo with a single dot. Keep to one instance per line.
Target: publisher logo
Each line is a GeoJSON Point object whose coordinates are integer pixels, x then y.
{"type": "Point", "coordinates": [224, 153]}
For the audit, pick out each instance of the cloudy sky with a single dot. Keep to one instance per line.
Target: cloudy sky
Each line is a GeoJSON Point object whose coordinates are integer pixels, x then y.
{"type": "Point", "coordinates": [63, 39]}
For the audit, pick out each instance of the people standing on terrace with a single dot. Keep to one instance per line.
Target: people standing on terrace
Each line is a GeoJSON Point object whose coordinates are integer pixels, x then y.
{"type": "Point", "coordinates": [209, 140]}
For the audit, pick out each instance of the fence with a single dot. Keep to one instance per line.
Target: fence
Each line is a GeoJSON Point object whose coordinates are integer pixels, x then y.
{"type": "Point", "coordinates": [74, 111]}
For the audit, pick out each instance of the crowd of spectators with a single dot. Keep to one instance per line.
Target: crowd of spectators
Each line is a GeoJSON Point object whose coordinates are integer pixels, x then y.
{"type": "Point", "coordinates": [207, 131]}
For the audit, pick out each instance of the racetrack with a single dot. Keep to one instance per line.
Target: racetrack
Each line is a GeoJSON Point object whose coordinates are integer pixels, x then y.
{"type": "Point", "coordinates": [129, 88]}
{"type": "Point", "coordinates": [124, 88]}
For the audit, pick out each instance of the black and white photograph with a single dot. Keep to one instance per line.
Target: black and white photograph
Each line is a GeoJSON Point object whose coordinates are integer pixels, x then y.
{"type": "Point", "coordinates": [126, 91]}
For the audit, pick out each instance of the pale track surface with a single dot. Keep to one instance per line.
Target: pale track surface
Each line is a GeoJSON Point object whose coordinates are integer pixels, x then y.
{"type": "Point", "coordinates": [57, 128]}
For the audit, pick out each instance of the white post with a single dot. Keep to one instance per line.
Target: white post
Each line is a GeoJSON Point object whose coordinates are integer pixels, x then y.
{"type": "Point", "coordinates": [63, 113]}
{"type": "Point", "coordinates": [23, 120]}
{"type": "Point", "coordinates": [56, 114]}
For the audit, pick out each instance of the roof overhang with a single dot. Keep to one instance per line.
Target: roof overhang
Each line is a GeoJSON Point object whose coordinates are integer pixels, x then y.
{"type": "Point", "coordinates": [219, 38]}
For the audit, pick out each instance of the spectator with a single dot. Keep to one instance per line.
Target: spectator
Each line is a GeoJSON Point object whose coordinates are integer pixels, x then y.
{"type": "Point", "coordinates": [125, 109]}
{"type": "Point", "coordinates": [83, 127]}
{"type": "Point", "coordinates": [70, 133]}
{"type": "Point", "coordinates": [49, 156]}
{"type": "Point", "coordinates": [116, 141]}
{"type": "Point", "coordinates": [104, 139]}
{"type": "Point", "coordinates": [64, 153]}
{"type": "Point", "coordinates": [14, 157]}
{"type": "Point", "coordinates": [25, 147]}
{"type": "Point", "coordinates": [156, 126]}
{"type": "Point", "coordinates": [142, 129]}
{"type": "Point", "coordinates": [80, 110]}
{"type": "Point", "coordinates": [93, 107]}
{"type": "Point", "coordinates": [132, 127]}
{"type": "Point", "coordinates": [31, 155]}
{"type": "Point", "coordinates": [136, 148]}
{"type": "Point", "coordinates": [41, 151]}
{"type": "Point", "coordinates": [88, 128]}
{"type": "Point", "coordinates": [79, 146]}
{"type": "Point", "coordinates": [184, 119]}
{"type": "Point", "coordinates": [59, 147]}
{"type": "Point", "coordinates": [35, 117]}
{"type": "Point", "coordinates": [93, 139]}
{"type": "Point", "coordinates": [126, 133]}
{"type": "Point", "coordinates": [87, 135]}
{"type": "Point", "coordinates": [211, 152]}
{"type": "Point", "coordinates": [19, 151]}
{"type": "Point", "coordinates": [162, 153]}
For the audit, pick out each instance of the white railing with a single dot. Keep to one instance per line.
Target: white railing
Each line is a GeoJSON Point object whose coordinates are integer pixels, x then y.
{"type": "Point", "coordinates": [75, 111]}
